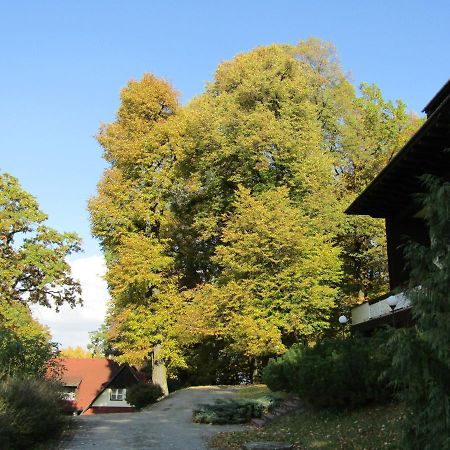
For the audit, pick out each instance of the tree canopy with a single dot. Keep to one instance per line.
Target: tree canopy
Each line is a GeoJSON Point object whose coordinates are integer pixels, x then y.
{"type": "Point", "coordinates": [25, 345]}
{"type": "Point", "coordinates": [33, 270]}
{"type": "Point", "coordinates": [222, 220]}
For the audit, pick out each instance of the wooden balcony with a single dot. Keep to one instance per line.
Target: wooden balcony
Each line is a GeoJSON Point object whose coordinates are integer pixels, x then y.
{"type": "Point", "coordinates": [377, 312]}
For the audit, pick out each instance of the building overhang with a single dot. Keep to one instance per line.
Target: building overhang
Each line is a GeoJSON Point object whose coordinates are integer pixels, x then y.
{"type": "Point", "coordinates": [427, 152]}
{"type": "Point", "coordinates": [71, 381]}
{"type": "Point", "coordinates": [377, 312]}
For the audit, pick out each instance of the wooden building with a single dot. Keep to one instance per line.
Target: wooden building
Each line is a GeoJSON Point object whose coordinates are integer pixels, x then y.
{"type": "Point", "coordinates": [391, 196]}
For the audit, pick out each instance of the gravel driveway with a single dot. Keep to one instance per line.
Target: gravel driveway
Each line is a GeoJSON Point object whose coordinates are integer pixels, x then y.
{"type": "Point", "coordinates": [165, 425]}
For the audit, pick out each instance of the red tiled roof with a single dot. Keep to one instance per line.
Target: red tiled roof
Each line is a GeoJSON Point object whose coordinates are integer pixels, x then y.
{"type": "Point", "coordinates": [72, 381]}
{"type": "Point", "coordinates": [94, 374]}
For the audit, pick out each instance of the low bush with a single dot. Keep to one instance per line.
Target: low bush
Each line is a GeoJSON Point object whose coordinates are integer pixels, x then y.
{"type": "Point", "coordinates": [233, 411]}
{"type": "Point", "coordinates": [282, 374]}
{"type": "Point", "coordinates": [31, 412]}
{"type": "Point", "coordinates": [343, 373]}
{"type": "Point", "coordinates": [143, 394]}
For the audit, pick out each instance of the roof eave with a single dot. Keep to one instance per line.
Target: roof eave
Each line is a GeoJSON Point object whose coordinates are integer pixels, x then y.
{"type": "Point", "coordinates": [356, 207]}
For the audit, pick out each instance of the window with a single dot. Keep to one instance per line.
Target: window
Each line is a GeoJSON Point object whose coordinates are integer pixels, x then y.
{"type": "Point", "coordinates": [69, 393]}
{"type": "Point", "coordinates": [69, 396]}
{"type": "Point", "coordinates": [117, 394]}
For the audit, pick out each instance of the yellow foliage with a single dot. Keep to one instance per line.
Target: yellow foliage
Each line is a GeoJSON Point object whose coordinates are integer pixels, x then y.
{"type": "Point", "coordinates": [75, 352]}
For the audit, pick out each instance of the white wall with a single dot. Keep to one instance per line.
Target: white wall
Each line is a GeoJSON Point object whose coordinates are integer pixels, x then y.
{"type": "Point", "coordinates": [366, 311]}
{"type": "Point", "coordinates": [103, 400]}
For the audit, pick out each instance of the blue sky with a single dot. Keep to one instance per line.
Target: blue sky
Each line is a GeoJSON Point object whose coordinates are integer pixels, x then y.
{"type": "Point", "coordinates": [63, 64]}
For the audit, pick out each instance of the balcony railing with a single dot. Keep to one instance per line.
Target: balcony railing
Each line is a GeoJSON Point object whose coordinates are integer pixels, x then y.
{"type": "Point", "coordinates": [376, 309]}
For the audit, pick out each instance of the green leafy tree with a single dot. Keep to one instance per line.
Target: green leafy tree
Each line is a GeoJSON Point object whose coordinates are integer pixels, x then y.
{"type": "Point", "coordinates": [362, 131]}
{"type": "Point", "coordinates": [25, 346]}
{"type": "Point", "coordinates": [421, 363]}
{"type": "Point", "coordinates": [375, 130]}
{"type": "Point", "coordinates": [33, 268]}
{"type": "Point", "coordinates": [98, 345]}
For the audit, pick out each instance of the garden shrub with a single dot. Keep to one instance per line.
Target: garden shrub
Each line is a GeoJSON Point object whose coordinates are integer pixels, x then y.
{"type": "Point", "coordinates": [233, 411]}
{"type": "Point", "coordinates": [342, 373]}
{"type": "Point", "coordinates": [31, 412]}
{"type": "Point", "coordinates": [281, 374]}
{"type": "Point", "coordinates": [143, 394]}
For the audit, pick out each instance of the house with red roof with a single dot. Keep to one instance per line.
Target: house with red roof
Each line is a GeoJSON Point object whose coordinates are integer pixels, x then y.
{"type": "Point", "coordinates": [96, 386]}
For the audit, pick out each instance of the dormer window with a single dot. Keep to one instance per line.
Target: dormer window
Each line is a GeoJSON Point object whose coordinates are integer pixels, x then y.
{"type": "Point", "coordinates": [117, 395]}
{"type": "Point", "coordinates": [69, 393]}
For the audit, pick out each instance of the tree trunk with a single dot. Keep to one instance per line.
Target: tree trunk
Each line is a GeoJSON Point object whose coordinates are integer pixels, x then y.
{"type": "Point", "coordinates": [159, 371]}
{"type": "Point", "coordinates": [254, 371]}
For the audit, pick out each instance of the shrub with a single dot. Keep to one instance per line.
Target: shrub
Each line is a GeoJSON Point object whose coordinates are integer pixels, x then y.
{"type": "Point", "coordinates": [339, 373]}
{"type": "Point", "coordinates": [143, 394]}
{"type": "Point", "coordinates": [281, 374]}
{"type": "Point", "coordinates": [31, 412]}
{"type": "Point", "coordinates": [233, 411]}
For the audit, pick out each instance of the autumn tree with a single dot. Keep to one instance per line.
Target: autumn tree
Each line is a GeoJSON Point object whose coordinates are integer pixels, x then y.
{"type": "Point", "coordinates": [129, 214]}
{"type": "Point", "coordinates": [279, 122]}
{"type": "Point", "coordinates": [254, 126]}
{"type": "Point", "coordinates": [278, 278]}
{"type": "Point", "coordinates": [271, 112]}
{"type": "Point", "coordinates": [77, 352]}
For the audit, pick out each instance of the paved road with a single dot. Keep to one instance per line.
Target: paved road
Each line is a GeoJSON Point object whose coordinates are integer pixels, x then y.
{"type": "Point", "coordinates": [167, 425]}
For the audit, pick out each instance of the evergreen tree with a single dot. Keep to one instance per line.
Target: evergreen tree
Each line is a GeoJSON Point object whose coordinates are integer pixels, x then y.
{"type": "Point", "coordinates": [421, 363]}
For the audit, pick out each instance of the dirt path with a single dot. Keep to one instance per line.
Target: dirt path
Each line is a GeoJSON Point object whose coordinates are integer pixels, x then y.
{"type": "Point", "coordinates": [165, 425]}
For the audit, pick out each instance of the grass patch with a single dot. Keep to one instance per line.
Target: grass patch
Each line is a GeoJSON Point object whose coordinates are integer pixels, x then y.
{"type": "Point", "coordinates": [370, 428]}
{"type": "Point", "coordinates": [256, 391]}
